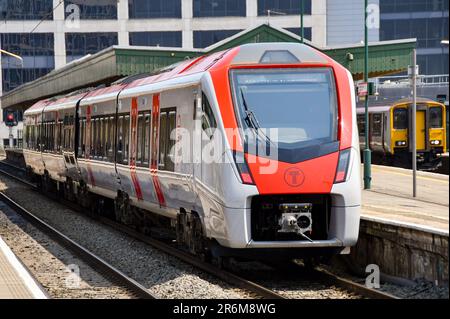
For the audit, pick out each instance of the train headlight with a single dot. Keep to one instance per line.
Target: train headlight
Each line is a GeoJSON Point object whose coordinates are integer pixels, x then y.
{"type": "Point", "coordinates": [400, 143]}
{"type": "Point", "coordinates": [344, 160]}
{"type": "Point", "coordinates": [243, 169]}
{"type": "Point", "coordinates": [435, 142]}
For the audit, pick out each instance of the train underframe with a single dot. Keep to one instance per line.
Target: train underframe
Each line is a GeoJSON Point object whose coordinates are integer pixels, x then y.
{"type": "Point", "coordinates": [426, 161]}
{"type": "Point", "coordinates": [187, 228]}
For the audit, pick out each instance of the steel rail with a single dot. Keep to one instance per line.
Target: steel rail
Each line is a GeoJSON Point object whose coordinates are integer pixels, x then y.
{"type": "Point", "coordinates": [226, 276]}
{"type": "Point", "coordinates": [170, 250]}
{"type": "Point", "coordinates": [90, 258]}
{"type": "Point", "coordinates": [352, 286]}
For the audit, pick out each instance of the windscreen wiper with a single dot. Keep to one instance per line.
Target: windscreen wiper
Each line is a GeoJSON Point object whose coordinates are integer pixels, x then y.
{"type": "Point", "coordinates": [252, 121]}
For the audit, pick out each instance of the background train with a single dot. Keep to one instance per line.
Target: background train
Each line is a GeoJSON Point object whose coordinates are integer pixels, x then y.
{"type": "Point", "coordinates": [113, 150]}
{"type": "Point", "coordinates": [390, 134]}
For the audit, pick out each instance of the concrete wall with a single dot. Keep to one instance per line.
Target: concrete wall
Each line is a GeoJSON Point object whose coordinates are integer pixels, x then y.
{"type": "Point", "coordinates": [403, 251]}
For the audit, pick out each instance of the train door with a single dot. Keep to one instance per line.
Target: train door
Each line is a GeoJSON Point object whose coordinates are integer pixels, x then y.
{"type": "Point", "coordinates": [196, 141]}
{"type": "Point", "coordinates": [209, 151]}
{"type": "Point", "coordinates": [66, 125]}
{"type": "Point", "coordinates": [420, 130]}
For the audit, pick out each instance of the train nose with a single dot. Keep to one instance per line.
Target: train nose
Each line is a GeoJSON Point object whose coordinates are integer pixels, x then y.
{"type": "Point", "coordinates": [316, 175]}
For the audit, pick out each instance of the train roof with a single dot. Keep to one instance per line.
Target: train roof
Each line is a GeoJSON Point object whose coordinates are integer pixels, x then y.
{"type": "Point", "coordinates": [189, 72]}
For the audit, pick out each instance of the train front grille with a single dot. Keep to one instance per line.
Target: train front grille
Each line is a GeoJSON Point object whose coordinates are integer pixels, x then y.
{"type": "Point", "coordinates": [290, 217]}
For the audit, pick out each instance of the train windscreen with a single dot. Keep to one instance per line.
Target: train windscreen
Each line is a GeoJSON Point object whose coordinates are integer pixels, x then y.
{"type": "Point", "coordinates": [435, 117]}
{"type": "Point", "coordinates": [400, 119]}
{"type": "Point", "coordinates": [300, 104]}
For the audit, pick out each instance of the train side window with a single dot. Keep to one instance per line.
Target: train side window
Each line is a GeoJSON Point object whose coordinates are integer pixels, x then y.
{"type": "Point", "coordinates": [81, 137]}
{"type": "Point", "coordinates": [400, 119]}
{"type": "Point", "coordinates": [147, 128]}
{"type": "Point", "coordinates": [139, 139]}
{"type": "Point", "coordinates": [104, 122]}
{"type": "Point", "coordinates": [112, 132]}
{"type": "Point", "coordinates": [435, 117]}
{"type": "Point", "coordinates": [58, 136]}
{"type": "Point", "coordinates": [209, 123]}
{"type": "Point", "coordinates": [377, 124]}
{"type": "Point", "coordinates": [126, 138]}
{"type": "Point", "coordinates": [143, 139]}
{"type": "Point", "coordinates": [166, 149]}
{"type": "Point", "coordinates": [120, 139]}
{"type": "Point", "coordinates": [38, 137]}
{"type": "Point", "coordinates": [170, 165]}
{"type": "Point", "coordinates": [162, 140]}
{"type": "Point", "coordinates": [361, 119]}
{"type": "Point", "coordinates": [93, 137]}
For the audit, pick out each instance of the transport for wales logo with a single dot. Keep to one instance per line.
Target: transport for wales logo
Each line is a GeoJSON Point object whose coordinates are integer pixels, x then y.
{"type": "Point", "coordinates": [294, 177]}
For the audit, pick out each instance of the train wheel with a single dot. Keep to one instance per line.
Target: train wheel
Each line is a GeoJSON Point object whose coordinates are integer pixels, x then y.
{"type": "Point", "coordinates": [123, 211]}
{"type": "Point", "coordinates": [189, 232]}
{"type": "Point", "coordinates": [83, 196]}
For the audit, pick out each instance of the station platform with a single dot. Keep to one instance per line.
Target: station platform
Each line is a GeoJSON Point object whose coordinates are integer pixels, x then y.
{"type": "Point", "coordinates": [390, 198]}
{"type": "Point", "coordinates": [405, 236]}
{"type": "Point", "coordinates": [15, 280]}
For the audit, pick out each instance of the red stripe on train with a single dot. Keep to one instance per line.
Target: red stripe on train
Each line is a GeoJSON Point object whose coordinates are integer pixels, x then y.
{"type": "Point", "coordinates": [134, 178]}
{"type": "Point", "coordinates": [154, 157]}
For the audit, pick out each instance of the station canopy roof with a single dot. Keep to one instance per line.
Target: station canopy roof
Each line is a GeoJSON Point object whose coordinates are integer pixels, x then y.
{"type": "Point", "coordinates": [105, 67]}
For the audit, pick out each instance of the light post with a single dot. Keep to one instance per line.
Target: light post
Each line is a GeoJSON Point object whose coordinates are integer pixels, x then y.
{"type": "Point", "coordinates": [366, 154]}
{"type": "Point", "coordinates": [18, 57]}
{"type": "Point", "coordinates": [302, 29]}
{"type": "Point", "coordinates": [413, 72]}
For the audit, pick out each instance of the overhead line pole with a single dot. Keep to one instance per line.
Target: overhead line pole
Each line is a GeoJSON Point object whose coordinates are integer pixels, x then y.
{"type": "Point", "coordinates": [367, 154]}
{"type": "Point", "coordinates": [302, 29]}
{"type": "Point", "coordinates": [413, 122]}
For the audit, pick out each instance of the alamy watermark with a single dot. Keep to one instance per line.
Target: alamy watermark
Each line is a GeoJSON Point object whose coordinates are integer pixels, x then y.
{"type": "Point", "coordinates": [373, 277]}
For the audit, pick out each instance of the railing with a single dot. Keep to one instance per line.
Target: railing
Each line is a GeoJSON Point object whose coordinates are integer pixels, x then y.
{"type": "Point", "coordinates": [423, 80]}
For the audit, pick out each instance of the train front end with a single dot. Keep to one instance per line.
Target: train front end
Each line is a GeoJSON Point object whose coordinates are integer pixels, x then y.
{"type": "Point", "coordinates": [289, 117]}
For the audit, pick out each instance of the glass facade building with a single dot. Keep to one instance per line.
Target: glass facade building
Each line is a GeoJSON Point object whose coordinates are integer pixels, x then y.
{"type": "Point", "coordinates": [217, 8]}
{"type": "Point", "coordinates": [37, 52]}
{"type": "Point", "coordinates": [45, 43]}
{"type": "Point", "coordinates": [156, 38]}
{"type": "Point", "coordinates": [203, 39]}
{"type": "Point", "coordinates": [148, 9]}
{"type": "Point", "coordinates": [426, 20]}
{"type": "Point", "coordinates": [107, 10]}
{"type": "Point", "coordinates": [287, 7]}
{"type": "Point", "coordinates": [80, 44]}
{"type": "Point", "coordinates": [26, 10]}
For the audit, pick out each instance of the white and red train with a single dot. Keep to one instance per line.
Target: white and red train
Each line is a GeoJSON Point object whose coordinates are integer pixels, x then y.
{"type": "Point", "coordinates": [116, 150]}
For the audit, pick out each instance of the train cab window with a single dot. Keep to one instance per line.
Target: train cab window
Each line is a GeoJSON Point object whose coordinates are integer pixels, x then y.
{"type": "Point", "coordinates": [377, 124]}
{"type": "Point", "coordinates": [209, 123]}
{"type": "Point", "coordinates": [361, 119]}
{"type": "Point", "coordinates": [400, 119]}
{"type": "Point", "coordinates": [166, 149]}
{"type": "Point", "coordinates": [435, 114]}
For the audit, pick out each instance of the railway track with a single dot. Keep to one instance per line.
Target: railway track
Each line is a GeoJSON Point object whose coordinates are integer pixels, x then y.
{"type": "Point", "coordinates": [256, 290]}
{"type": "Point", "coordinates": [91, 259]}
